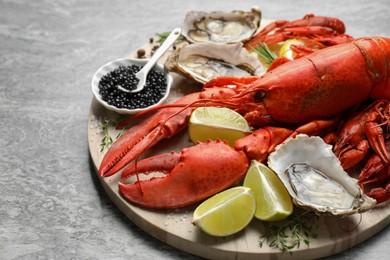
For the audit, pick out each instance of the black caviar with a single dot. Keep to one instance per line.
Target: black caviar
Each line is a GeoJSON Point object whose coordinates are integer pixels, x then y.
{"type": "Point", "coordinates": [124, 76]}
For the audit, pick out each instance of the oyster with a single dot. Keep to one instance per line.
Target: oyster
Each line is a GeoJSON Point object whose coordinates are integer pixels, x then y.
{"type": "Point", "coordinates": [315, 179]}
{"type": "Point", "coordinates": [221, 27]}
{"type": "Point", "coordinates": [204, 61]}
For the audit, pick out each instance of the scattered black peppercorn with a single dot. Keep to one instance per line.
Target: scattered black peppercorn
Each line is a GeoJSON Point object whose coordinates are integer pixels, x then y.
{"type": "Point", "coordinates": [141, 53]}
{"type": "Point", "coordinates": [154, 90]}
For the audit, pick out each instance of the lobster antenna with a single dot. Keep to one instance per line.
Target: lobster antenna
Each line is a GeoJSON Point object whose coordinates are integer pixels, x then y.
{"type": "Point", "coordinates": [184, 106]}
{"type": "Point", "coordinates": [148, 111]}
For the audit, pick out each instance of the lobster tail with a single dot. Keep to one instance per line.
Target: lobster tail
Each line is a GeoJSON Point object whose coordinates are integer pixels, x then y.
{"type": "Point", "coordinates": [293, 92]}
{"type": "Point", "coordinates": [376, 52]}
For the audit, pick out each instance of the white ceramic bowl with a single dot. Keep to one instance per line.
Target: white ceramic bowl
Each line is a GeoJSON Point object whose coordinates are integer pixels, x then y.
{"type": "Point", "coordinates": [110, 66]}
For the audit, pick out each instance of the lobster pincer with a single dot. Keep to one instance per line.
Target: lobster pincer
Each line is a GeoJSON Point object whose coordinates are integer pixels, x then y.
{"type": "Point", "coordinates": [192, 175]}
{"type": "Point", "coordinates": [144, 135]}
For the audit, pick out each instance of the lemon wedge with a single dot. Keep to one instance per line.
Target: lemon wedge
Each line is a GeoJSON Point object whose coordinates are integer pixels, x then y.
{"type": "Point", "coordinates": [273, 203]}
{"type": "Point", "coordinates": [226, 213]}
{"type": "Point", "coordinates": [286, 51]}
{"type": "Point", "coordinates": [216, 122]}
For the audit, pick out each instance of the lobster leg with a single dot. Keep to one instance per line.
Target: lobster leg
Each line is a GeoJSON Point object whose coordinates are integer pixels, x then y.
{"type": "Point", "coordinates": [261, 142]}
{"type": "Point", "coordinates": [375, 173]}
{"type": "Point", "coordinates": [193, 174]}
{"type": "Point", "coordinates": [334, 40]}
{"type": "Point", "coordinates": [310, 24]}
{"type": "Point", "coordinates": [316, 127]}
{"type": "Point", "coordinates": [352, 157]}
{"type": "Point", "coordinates": [380, 194]}
{"type": "Point", "coordinates": [289, 33]}
{"type": "Point", "coordinates": [375, 137]}
{"type": "Point", "coordinates": [277, 62]}
{"type": "Point", "coordinates": [222, 81]}
{"type": "Point", "coordinates": [144, 135]}
{"type": "Point", "coordinates": [374, 165]}
{"type": "Point", "coordinates": [313, 20]}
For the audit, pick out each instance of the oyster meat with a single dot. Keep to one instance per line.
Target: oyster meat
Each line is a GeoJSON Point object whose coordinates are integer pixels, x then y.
{"type": "Point", "coordinates": [221, 27]}
{"type": "Point", "coordinates": [204, 61]}
{"type": "Point", "coordinates": [315, 179]}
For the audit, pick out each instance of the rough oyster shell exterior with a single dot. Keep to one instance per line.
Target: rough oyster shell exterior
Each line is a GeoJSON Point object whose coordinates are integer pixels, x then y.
{"type": "Point", "coordinates": [221, 27]}
{"type": "Point", "coordinates": [204, 61]}
{"type": "Point", "coordinates": [315, 153]}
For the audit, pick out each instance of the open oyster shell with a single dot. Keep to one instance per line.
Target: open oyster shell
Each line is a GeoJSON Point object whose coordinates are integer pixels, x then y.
{"type": "Point", "coordinates": [221, 27]}
{"type": "Point", "coordinates": [315, 179]}
{"type": "Point", "coordinates": [204, 61]}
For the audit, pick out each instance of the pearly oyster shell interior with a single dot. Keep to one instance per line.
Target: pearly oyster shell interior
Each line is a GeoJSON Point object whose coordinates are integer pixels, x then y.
{"type": "Point", "coordinates": [315, 179]}
{"type": "Point", "coordinates": [204, 61]}
{"type": "Point", "coordinates": [221, 27]}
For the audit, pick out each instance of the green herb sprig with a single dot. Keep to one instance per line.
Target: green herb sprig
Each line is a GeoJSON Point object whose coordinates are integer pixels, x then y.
{"type": "Point", "coordinates": [264, 52]}
{"type": "Point", "coordinates": [290, 235]}
{"type": "Point", "coordinates": [107, 140]}
{"type": "Point", "coordinates": [163, 36]}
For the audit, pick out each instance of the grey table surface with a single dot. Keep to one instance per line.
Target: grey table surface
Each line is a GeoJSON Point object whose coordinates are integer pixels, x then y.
{"type": "Point", "coordinates": [52, 205]}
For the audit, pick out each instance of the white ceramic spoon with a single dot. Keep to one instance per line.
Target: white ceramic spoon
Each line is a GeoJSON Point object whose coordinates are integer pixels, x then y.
{"type": "Point", "coordinates": [143, 73]}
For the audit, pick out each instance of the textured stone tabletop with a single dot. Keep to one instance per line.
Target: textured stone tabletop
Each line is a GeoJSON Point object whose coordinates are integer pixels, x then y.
{"type": "Point", "coordinates": [52, 205]}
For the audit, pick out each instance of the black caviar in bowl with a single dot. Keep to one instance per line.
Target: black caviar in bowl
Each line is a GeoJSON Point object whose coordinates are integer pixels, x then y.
{"type": "Point", "coordinates": [124, 76]}
{"type": "Point", "coordinates": [109, 79]}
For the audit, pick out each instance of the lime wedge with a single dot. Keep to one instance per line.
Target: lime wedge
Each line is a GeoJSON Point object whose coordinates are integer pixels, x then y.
{"type": "Point", "coordinates": [226, 213]}
{"type": "Point", "coordinates": [216, 122]}
{"type": "Point", "coordinates": [286, 51]}
{"type": "Point", "coordinates": [273, 203]}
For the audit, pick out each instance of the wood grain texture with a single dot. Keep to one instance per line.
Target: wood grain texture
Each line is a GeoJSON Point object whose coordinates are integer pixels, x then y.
{"type": "Point", "coordinates": [174, 226]}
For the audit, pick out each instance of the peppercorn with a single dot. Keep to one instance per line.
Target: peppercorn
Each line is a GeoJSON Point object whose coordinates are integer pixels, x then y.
{"type": "Point", "coordinates": [141, 53]}
{"type": "Point", "coordinates": [124, 76]}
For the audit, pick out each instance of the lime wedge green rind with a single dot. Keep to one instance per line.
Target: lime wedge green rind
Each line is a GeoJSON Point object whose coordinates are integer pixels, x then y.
{"type": "Point", "coordinates": [217, 123]}
{"type": "Point", "coordinates": [273, 203]}
{"type": "Point", "coordinates": [226, 213]}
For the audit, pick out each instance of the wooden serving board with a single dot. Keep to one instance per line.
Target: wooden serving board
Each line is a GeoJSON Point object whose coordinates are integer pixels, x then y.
{"type": "Point", "coordinates": [174, 226]}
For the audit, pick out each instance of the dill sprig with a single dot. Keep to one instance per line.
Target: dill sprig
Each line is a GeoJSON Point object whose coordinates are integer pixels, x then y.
{"type": "Point", "coordinates": [107, 139]}
{"type": "Point", "coordinates": [120, 133]}
{"type": "Point", "coordinates": [163, 36]}
{"type": "Point", "coordinates": [290, 235]}
{"type": "Point", "coordinates": [264, 52]}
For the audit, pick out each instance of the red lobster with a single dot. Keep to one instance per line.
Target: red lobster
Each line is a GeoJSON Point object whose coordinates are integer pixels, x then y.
{"type": "Point", "coordinates": [310, 91]}
{"type": "Point", "coordinates": [377, 173]}
{"type": "Point", "coordinates": [317, 30]}
{"type": "Point", "coordinates": [365, 129]}
{"type": "Point", "coordinates": [313, 33]}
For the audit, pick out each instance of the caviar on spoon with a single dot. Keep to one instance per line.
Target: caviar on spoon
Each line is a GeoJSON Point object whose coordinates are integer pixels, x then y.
{"type": "Point", "coordinates": [143, 73]}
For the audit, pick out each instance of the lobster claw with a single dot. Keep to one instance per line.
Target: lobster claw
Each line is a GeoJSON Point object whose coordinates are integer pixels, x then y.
{"type": "Point", "coordinates": [381, 194]}
{"type": "Point", "coordinates": [192, 175]}
{"type": "Point", "coordinates": [375, 137]}
{"type": "Point", "coordinates": [145, 135]}
{"type": "Point", "coordinates": [351, 157]}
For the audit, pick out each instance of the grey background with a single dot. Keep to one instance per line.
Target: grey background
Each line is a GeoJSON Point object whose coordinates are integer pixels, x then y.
{"type": "Point", "coordinates": [51, 203]}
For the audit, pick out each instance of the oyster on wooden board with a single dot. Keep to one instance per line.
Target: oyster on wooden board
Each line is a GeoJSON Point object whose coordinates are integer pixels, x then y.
{"type": "Point", "coordinates": [204, 61]}
{"type": "Point", "coordinates": [221, 27]}
{"type": "Point", "coordinates": [315, 179]}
